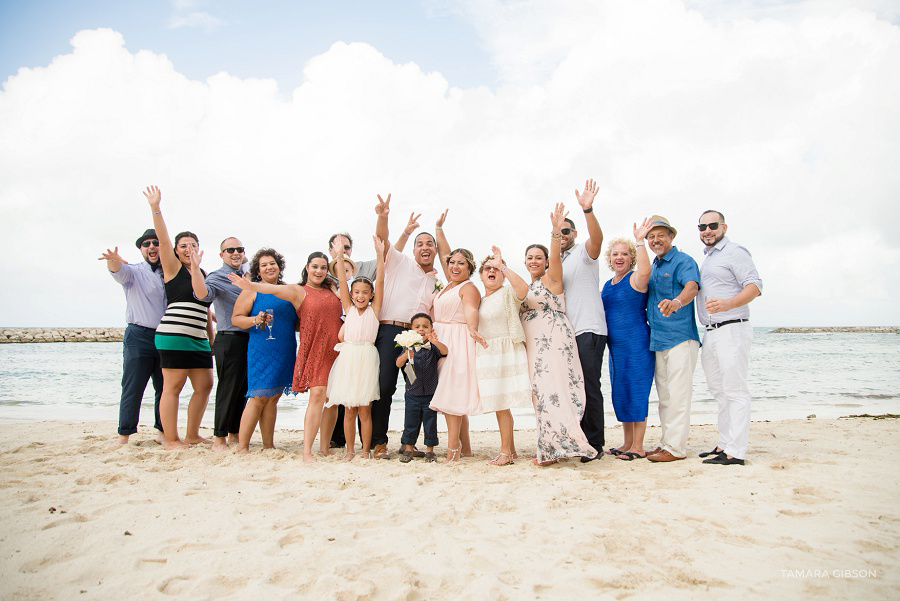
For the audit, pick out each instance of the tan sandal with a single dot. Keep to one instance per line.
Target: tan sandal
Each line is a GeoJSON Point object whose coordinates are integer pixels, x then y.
{"type": "Point", "coordinates": [496, 460]}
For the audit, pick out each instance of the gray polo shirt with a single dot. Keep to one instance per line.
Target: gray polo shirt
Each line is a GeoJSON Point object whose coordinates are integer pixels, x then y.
{"type": "Point", "coordinates": [367, 268]}
{"type": "Point", "coordinates": [727, 269]}
{"type": "Point", "coordinates": [223, 294]}
{"type": "Point", "coordinates": [581, 285]}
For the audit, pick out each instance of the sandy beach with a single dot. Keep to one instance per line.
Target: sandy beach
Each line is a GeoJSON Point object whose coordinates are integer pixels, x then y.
{"type": "Point", "coordinates": [813, 514]}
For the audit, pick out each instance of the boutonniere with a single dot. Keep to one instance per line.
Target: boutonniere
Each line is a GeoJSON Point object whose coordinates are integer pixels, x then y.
{"type": "Point", "coordinates": [438, 286]}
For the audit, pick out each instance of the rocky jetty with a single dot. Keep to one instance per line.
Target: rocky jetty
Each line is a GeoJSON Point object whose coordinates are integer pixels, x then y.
{"type": "Point", "coordinates": [21, 335]}
{"type": "Point", "coordinates": [850, 330]}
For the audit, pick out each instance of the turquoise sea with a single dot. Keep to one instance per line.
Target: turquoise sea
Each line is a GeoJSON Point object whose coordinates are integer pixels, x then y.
{"type": "Point", "coordinates": [791, 376]}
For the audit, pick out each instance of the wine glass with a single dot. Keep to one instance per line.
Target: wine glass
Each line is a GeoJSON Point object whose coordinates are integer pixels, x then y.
{"type": "Point", "coordinates": [270, 319]}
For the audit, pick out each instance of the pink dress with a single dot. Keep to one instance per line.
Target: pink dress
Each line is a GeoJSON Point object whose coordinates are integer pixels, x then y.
{"type": "Point", "coordinates": [320, 322]}
{"type": "Point", "coordinates": [557, 382]}
{"type": "Point", "coordinates": [457, 389]}
{"type": "Point", "coordinates": [353, 381]}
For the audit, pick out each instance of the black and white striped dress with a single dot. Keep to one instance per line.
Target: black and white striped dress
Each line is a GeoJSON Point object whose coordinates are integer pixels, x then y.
{"type": "Point", "coordinates": [181, 335]}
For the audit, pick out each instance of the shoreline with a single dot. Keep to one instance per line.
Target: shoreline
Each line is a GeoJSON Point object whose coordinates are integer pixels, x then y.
{"type": "Point", "coordinates": [800, 520]}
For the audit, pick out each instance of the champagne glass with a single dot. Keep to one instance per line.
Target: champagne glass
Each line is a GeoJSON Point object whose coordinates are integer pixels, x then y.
{"type": "Point", "coordinates": [270, 319]}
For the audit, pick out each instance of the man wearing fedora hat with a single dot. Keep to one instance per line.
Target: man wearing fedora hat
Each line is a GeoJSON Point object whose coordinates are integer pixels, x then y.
{"type": "Point", "coordinates": [145, 304]}
{"type": "Point", "coordinates": [674, 283]}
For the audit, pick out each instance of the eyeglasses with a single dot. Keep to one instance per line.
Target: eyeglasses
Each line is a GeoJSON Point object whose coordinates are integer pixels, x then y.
{"type": "Point", "coordinates": [713, 226]}
{"type": "Point", "coordinates": [233, 249]}
{"type": "Point", "coordinates": [149, 243]}
{"type": "Point", "coordinates": [492, 268]}
{"type": "Point", "coordinates": [567, 230]}
{"type": "Point", "coordinates": [347, 248]}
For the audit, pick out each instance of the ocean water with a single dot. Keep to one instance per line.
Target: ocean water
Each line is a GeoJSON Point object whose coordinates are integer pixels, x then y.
{"type": "Point", "coordinates": [791, 376]}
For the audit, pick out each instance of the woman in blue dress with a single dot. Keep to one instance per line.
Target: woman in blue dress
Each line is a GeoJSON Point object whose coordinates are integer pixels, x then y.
{"type": "Point", "coordinates": [271, 352]}
{"type": "Point", "coordinates": [631, 362]}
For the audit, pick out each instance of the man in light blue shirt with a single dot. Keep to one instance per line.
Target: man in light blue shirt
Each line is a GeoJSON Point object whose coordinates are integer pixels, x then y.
{"type": "Point", "coordinates": [230, 342]}
{"type": "Point", "coordinates": [729, 281]}
{"type": "Point", "coordinates": [674, 282]}
{"type": "Point", "coordinates": [145, 303]}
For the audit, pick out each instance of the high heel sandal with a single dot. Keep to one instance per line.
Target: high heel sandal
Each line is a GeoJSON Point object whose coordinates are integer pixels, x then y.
{"type": "Point", "coordinates": [455, 457]}
{"type": "Point", "coordinates": [496, 460]}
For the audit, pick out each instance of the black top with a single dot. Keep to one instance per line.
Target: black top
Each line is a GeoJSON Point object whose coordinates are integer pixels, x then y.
{"type": "Point", "coordinates": [425, 362]}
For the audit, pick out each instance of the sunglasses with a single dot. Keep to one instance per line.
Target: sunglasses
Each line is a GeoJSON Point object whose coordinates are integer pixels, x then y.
{"type": "Point", "coordinates": [149, 243]}
{"type": "Point", "coordinates": [713, 226]}
{"type": "Point", "coordinates": [567, 230]}
{"type": "Point", "coordinates": [232, 249]}
{"type": "Point", "coordinates": [347, 248]}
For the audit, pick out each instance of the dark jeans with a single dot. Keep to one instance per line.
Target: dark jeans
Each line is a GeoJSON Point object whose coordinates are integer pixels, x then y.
{"type": "Point", "coordinates": [230, 351]}
{"type": "Point", "coordinates": [418, 414]}
{"type": "Point", "coordinates": [140, 363]}
{"type": "Point", "coordinates": [590, 351]}
{"type": "Point", "coordinates": [337, 435]}
{"type": "Point", "coordinates": [388, 351]}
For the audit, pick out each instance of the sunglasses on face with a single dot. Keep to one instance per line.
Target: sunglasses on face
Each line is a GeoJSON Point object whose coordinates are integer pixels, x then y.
{"type": "Point", "coordinates": [233, 249]}
{"type": "Point", "coordinates": [713, 226]}
{"type": "Point", "coordinates": [567, 230]}
{"type": "Point", "coordinates": [492, 268]}
{"type": "Point", "coordinates": [149, 243]}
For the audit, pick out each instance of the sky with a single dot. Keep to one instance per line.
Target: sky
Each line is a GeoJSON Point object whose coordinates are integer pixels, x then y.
{"type": "Point", "coordinates": [280, 122]}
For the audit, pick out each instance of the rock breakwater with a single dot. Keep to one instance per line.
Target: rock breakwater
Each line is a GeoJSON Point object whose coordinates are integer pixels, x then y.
{"type": "Point", "coordinates": [32, 335]}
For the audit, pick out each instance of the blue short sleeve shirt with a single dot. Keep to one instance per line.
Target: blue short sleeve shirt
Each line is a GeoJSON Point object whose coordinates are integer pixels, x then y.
{"type": "Point", "coordinates": [668, 277]}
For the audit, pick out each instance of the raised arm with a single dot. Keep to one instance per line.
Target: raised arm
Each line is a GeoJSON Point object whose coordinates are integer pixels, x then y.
{"type": "Point", "coordinates": [170, 262]}
{"type": "Point", "coordinates": [114, 262]}
{"type": "Point", "coordinates": [443, 247]}
{"type": "Point", "coordinates": [594, 244]}
{"type": "Point", "coordinates": [519, 286]}
{"type": "Point", "coordinates": [641, 276]}
{"type": "Point", "coordinates": [292, 293]}
{"type": "Point", "coordinates": [198, 281]}
{"type": "Point", "coordinates": [383, 209]}
{"type": "Point", "coordinates": [411, 226]}
{"type": "Point", "coordinates": [553, 278]}
{"type": "Point", "coordinates": [379, 274]}
{"type": "Point", "coordinates": [471, 299]}
{"type": "Point", "coordinates": [343, 284]}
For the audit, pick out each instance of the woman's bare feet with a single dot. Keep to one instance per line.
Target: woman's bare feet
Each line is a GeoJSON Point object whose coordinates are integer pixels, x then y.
{"type": "Point", "coordinates": [176, 445]}
{"type": "Point", "coordinates": [220, 446]}
{"type": "Point", "coordinates": [537, 463]}
{"type": "Point", "coordinates": [160, 438]}
{"type": "Point", "coordinates": [452, 456]}
{"type": "Point", "coordinates": [309, 459]}
{"type": "Point", "coordinates": [197, 440]}
{"type": "Point", "coordinates": [349, 456]}
{"type": "Point", "coordinates": [242, 451]}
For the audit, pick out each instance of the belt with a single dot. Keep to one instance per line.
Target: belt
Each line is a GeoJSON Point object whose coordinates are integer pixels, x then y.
{"type": "Point", "coordinates": [234, 333]}
{"type": "Point", "coordinates": [714, 326]}
{"type": "Point", "coordinates": [402, 324]}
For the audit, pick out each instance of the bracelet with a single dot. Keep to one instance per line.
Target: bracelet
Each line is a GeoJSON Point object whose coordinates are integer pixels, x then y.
{"type": "Point", "coordinates": [405, 234]}
{"type": "Point", "coordinates": [157, 213]}
{"type": "Point", "coordinates": [588, 210]}
{"type": "Point", "coordinates": [437, 227]}
{"type": "Point", "coordinates": [679, 301]}
{"type": "Point", "coordinates": [504, 269]}
{"type": "Point", "coordinates": [639, 245]}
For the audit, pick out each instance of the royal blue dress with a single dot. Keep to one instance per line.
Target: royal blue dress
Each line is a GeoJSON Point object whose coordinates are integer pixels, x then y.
{"type": "Point", "coordinates": [631, 362]}
{"type": "Point", "coordinates": [270, 363]}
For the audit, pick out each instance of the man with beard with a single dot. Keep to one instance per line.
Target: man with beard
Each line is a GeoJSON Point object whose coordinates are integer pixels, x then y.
{"type": "Point", "coordinates": [409, 287]}
{"type": "Point", "coordinates": [145, 304]}
{"type": "Point", "coordinates": [674, 283]}
{"type": "Point", "coordinates": [584, 308]}
{"type": "Point", "coordinates": [230, 342]}
{"type": "Point", "coordinates": [728, 282]}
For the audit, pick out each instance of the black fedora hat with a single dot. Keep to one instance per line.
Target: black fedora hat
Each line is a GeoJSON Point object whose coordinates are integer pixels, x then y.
{"type": "Point", "coordinates": [148, 235]}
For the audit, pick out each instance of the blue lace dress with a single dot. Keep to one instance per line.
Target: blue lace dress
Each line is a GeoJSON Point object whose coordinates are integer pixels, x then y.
{"type": "Point", "coordinates": [270, 363]}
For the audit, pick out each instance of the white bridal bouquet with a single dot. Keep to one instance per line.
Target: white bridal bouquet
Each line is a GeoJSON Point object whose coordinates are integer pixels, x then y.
{"type": "Point", "coordinates": [409, 340]}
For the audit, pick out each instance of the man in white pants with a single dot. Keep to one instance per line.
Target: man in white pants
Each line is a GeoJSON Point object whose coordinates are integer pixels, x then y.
{"type": "Point", "coordinates": [728, 282]}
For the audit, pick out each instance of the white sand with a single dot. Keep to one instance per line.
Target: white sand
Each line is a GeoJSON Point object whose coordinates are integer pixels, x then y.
{"type": "Point", "coordinates": [85, 519]}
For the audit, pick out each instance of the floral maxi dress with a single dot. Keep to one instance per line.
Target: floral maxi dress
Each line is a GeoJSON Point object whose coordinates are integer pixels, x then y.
{"type": "Point", "coordinates": [557, 382]}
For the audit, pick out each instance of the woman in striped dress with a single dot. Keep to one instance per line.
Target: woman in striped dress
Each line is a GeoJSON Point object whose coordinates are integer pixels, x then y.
{"type": "Point", "coordinates": [184, 335]}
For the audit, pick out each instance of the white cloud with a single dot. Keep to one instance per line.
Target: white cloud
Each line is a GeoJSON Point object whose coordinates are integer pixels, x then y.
{"type": "Point", "coordinates": [789, 126]}
{"type": "Point", "coordinates": [199, 19]}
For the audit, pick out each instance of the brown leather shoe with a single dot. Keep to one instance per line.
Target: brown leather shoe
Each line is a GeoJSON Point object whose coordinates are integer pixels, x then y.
{"type": "Point", "coordinates": [663, 457]}
{"type": "Point", "coordinates": [655, 451]}
{"type": "Point", "coordinates": [381, 452]}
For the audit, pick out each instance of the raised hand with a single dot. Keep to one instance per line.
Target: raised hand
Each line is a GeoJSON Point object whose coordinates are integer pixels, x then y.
{"type": "Point", "coordinates": [412, 224]}
{"type": "Point", "coordinates": [238, 281]}
{"type": "Point", "coordinates": [586, 198]}
{"type": "Point", "coordinates": [497, 256]}
{"type": "Point", "coordinates": [442, 219]}
{"type": "Point", "coordinates": [558, 217]}
{"type": "Point", "coordinates": [432, 337]}
{"type": "Point", "coordinates": [153, 196]}
{"type": "Point", "coordinates": [383, 207]}
{"type": "Point", "coordinates": [379, 245]}
{"type": "Point", "coordinates": [640, 232]}
{"type": "Point", "coordinates": [112, 255]}
{"type": "Point", "coordinates": [195, 256]}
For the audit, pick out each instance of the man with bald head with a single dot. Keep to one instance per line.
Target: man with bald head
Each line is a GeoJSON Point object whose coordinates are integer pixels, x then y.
{"type": "Point", "coordinates": [230, 343]}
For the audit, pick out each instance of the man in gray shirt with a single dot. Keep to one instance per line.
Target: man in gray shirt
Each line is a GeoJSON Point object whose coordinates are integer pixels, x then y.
{"type": "Point", "coordinates": [230, 342]}
{"type": "Point", "coordinates": [145, 304]}
{"type": "Point", "coordinates": [581, 286]}
{"type": "Point", "coordinates": [728, 282]}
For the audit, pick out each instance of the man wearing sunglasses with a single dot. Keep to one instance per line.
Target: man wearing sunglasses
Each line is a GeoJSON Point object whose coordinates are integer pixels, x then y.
{"type": "Point", "coordinates": [145, 304]}
{"type": "Point", "coordinates": [728, 282]}
{"type": "Point", "coordinates": [584, 308]}
{"type": "Point", "coordinates": [230, 342]}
